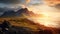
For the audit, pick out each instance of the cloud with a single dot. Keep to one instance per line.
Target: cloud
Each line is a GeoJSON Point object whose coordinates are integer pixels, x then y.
{"type": "Point", "coordinates": [51, 2]}
{"type": "Point", "coordinates": [36, 2]}
{"type": "Point", "coordinates": [57, 6]}
{"type": "Point", "coordinates": [27, 1]}
{"type": "Point", "coordinates": [14, 1]}
{"type": "Point", "coordinates": [9, 1]}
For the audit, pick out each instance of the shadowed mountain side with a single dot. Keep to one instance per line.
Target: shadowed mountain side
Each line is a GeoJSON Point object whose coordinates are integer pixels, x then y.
{"type": "Point", "coordinates": [8, 13]}
{"type": "Point", "coordinates": [12, 13]}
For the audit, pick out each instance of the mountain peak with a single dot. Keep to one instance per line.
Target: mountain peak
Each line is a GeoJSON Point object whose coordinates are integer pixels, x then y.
{"type": "Point", "coordinates": [11, 13]}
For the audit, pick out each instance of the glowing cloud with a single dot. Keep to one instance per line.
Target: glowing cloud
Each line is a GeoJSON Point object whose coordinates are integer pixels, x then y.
{"type": "Point", "coordinates": [27, 1]}
{"type": "Point", "coordinates": [51, 15]}
{"type": "Point", "coordinates": [52, 2]}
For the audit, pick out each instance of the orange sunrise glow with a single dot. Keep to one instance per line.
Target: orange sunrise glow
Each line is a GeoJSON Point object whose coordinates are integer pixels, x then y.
{"type": "Point", "coordinates": [50, 16]}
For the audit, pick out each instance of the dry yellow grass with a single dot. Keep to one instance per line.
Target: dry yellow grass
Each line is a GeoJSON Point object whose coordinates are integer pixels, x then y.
{"type": "Point", "coordinates": [21, 22]}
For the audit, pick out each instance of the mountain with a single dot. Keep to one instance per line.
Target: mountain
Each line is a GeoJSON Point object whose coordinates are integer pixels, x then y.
{"type": "Point", "coordinates": [12, 13]}
{"type": "Point", "coordinates": [8, 13]}
{"type": "Point", "coordinates": [20, 11]}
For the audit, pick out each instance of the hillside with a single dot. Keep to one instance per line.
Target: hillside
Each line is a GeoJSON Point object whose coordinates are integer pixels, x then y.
{"type": "Point", "coordinates": [26, 24]}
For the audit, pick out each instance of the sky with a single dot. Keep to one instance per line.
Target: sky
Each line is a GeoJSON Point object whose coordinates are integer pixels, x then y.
{"type": "Point", "coordinates": [20, 3]}
{"type": "Point", "coordinates": [32, 5]}
{"type": "Point", "coordinates": [16, 3]}
{"type": "Point", "coordinates": [49, 8]}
